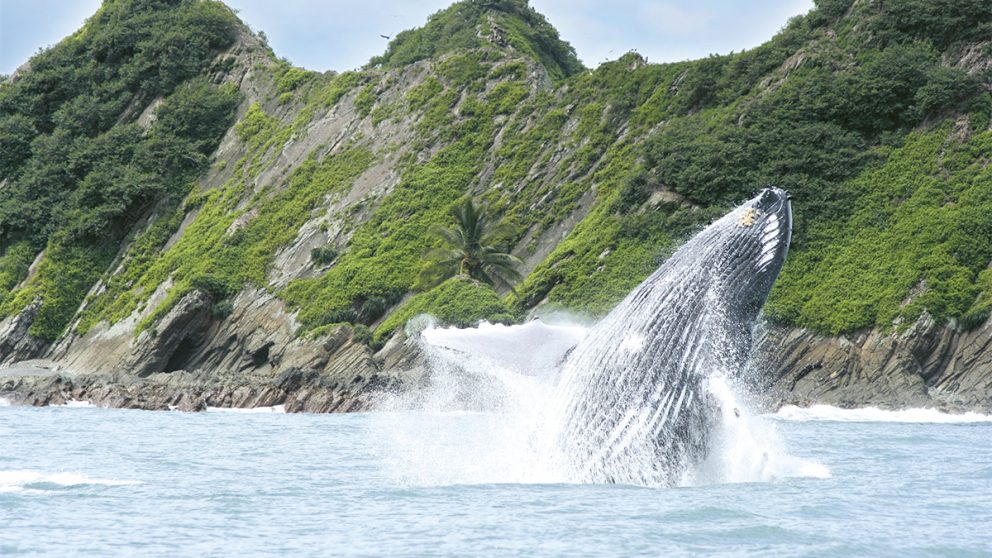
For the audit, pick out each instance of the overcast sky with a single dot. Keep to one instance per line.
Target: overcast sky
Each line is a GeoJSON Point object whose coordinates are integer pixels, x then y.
{"type": "Point", "coordinates": [344, 34]}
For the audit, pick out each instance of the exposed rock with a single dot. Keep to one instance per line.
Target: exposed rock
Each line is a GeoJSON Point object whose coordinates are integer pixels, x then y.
{"type": "Point", "coordinates": [251, 359]}
{"type": "Point", "coordinates": [926, 365]}
{"type": "Point", "coordinates": [16, 344]}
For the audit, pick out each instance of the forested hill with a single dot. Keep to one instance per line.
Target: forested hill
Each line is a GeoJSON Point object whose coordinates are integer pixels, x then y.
{"type": "Point", "coordinates": [164, 152]}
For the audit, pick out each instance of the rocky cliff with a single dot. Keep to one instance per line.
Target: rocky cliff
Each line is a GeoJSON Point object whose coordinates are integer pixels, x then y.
{"type": "Point", "coordinates": [926, 365]}
{"type": "Point", "coordinates": [266, 251]}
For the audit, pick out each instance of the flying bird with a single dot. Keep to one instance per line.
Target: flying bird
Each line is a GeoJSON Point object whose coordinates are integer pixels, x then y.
{"type": "Point", "coordinates": [385, 37]}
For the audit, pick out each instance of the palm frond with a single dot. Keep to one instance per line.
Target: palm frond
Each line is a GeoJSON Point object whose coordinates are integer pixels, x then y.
{"type": "Point", "coordinates": [468, 248]}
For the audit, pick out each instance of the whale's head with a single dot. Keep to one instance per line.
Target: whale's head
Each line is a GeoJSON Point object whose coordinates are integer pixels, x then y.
{"type": "Point", "coordinates": [752, 246]}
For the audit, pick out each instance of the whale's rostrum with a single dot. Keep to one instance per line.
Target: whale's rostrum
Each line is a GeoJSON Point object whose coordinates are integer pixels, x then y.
{"type": "Point", "coordinates": [631, 405]}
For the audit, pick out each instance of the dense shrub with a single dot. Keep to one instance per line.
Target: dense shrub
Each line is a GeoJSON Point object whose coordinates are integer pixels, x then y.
{"type": "Point", "coordinates": [323, 255]}
{"type": "Point", "coordinates": [463, 26]}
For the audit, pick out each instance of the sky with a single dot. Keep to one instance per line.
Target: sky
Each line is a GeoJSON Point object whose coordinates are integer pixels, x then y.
{"type": "Point", "coordinates": [344, 34]}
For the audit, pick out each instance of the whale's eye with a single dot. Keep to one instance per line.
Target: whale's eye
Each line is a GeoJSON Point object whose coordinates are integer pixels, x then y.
{"type": "Point", "coordinates": [748, 217]}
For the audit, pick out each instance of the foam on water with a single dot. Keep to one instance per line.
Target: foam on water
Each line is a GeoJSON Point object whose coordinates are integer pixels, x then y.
{"type": "Point", "coordinates": [77, 404]}
{"type": "Point", "coordinates": [4, 402]}
{"type": "Point", "coordinates": [746, 447]}
{"type": "Point", "coordinates": [425, 438]}
{"type": "Point", "coordinates": [248, 410]}
{"type": "Point", "coordinates": [872, 414]}
{"type": "Point", "coordinates": [24, 480]}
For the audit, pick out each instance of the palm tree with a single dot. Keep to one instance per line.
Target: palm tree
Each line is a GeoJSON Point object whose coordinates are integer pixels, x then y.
{"type": "Point", "coordinates": [467, 249]}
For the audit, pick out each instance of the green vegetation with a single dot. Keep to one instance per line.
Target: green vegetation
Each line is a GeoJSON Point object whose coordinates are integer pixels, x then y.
{"type": "Point", "coordinates": [475, 23]}
{"type": "Point", "coordinates": [468, 249]}
{"type": "Point", "coordinates": [836, 134]}
{"type": "Point", "coordinates": [222, 251]}
{"type": "Point", "coordinates": [919, 239]}
{"type": "Point", "coordinates": [81, 172]}
{"type": "Point", "coordinates": [291, 79]}
{"type": "Point", "coordinates": [384, 255]}
{"type": "Point", "coordinates": [323, 255]}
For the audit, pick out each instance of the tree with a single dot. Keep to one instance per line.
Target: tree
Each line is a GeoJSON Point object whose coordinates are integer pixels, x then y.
{"type": "Point", "coordinates": [468, 249]}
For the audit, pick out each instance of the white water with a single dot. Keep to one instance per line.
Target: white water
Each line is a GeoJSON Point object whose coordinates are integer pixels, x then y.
{"type": "Point", "coordinates": [22, 480]}
{"type": "Point", "coordinates": [871, 414]}
{"type": "Point", "coordinates": [248, 410]}
{"type": "Point", "coordinates": [77, 404]}
{"type": "Point", "coordinates": [512, 442]}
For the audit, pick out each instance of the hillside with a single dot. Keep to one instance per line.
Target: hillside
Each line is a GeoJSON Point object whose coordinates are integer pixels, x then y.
{"type": "Point", "coordinates": [176, 198]}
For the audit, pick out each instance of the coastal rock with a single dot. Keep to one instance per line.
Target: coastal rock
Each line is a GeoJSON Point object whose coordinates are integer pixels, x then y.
{"type": "Point", "coordinates": [16, 344]}
{"type": "Point", "coordinates": [926, 365]}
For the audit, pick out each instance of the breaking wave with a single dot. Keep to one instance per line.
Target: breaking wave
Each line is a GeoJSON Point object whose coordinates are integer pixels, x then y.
{"type": "Point", "coordinates": [872, 414]}
{"type": "Point", "coordinates": [23, 480]}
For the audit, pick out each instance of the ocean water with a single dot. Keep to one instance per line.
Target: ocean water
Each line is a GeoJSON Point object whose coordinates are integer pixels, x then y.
{"type": "Point", "coordinates": [85, 481]}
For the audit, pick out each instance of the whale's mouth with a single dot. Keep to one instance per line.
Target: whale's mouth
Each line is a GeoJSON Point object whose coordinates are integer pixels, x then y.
{"type": "Point", "coordinates": [772, 219]}
{"type": "Point", "coordinates": [769, 241]}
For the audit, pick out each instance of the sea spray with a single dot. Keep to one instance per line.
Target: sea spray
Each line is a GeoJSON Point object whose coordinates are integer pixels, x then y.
{"type": "Point", "coordinates": [424, 437]}
{"type": "Point", "coordinates": [871, 414]}
{"type": "Point", "coordinates": [745, 447]}
{"type": "Point", "coordinates": [497, 432]}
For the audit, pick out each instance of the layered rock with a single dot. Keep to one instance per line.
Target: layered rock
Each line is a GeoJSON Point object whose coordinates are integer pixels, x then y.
{"type": "Point", "coordinates": [925, 365]}
{"type": "Point", "coordinates": [193, 363]}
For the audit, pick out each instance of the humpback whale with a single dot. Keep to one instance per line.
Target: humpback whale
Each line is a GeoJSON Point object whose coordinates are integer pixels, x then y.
{"type": "Point", "coordinates": [631, 405]}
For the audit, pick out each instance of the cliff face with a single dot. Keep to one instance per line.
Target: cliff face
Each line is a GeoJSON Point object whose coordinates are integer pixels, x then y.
{"type": "Point", "coordinates": [263, 246]}
{"type": "Point", "coordinates": [926, 365]}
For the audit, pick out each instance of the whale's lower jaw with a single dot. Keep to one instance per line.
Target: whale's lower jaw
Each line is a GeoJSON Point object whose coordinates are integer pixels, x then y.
{"type": "Point", "coordinates": [632, 404]}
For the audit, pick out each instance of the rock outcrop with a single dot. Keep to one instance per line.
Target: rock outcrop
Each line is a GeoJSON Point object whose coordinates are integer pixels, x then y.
{"type": "Point", "coordinates": [332, 373]}
{"type": "Point", "coordinates": [925, 365]}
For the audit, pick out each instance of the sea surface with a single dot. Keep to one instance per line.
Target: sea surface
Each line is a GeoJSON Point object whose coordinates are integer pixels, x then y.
{"type": "Point", "coordinates": [86, 481]}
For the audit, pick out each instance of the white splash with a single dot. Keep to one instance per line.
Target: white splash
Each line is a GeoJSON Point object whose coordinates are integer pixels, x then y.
{"type": "Point", "coordinates": [77, 404]}
{"type": "Point", "coordinates": [747, 448]}
{"type": "Point", "coordinates": [248, 410]}
{"type": "Point", "coordinates": [4, 402]}
{"type": "Point", "coordinates": [632, 343]}
{"type": "Point", "coordinates": [511, 347]}
{"type": "Point", "coordinates": [476, 419]}
{"type": "Point", "coordinates": [481, 417]}
{"type": "Point", "coordinates": [23, 480]}
{"type": "Point", "coordinates": [872, 414]}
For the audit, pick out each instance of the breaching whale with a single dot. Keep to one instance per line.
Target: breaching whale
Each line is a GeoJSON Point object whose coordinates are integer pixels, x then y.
{"type": "Point", "coordinates": [631, 404]}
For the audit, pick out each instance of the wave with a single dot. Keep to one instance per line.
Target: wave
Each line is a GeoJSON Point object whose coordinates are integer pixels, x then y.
{"type": "Point", "coordinates": [77, 404]}
{"type": "Point", "coordinates": [873, 414]}
{"type": "Point", "coordinates": [248, 410]}
{"type": "Point", "coordinates": [21, 480]}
